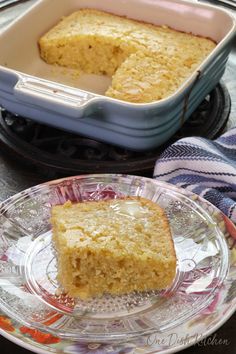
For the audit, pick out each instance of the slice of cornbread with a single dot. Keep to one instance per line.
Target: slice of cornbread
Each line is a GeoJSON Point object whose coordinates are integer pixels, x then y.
{"type": "Point", "coordinates": [115, 246]}
{"type": "Point", "coordinates": [97, 42]}
{"type": "Point", "coordinates": [146, 78]}
{"type": "Point", "coordinates": [90, 40]}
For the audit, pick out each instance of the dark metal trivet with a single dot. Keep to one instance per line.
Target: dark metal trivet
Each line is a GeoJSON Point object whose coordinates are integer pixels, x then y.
{"type": "Point", "coordinates": [56, 152]}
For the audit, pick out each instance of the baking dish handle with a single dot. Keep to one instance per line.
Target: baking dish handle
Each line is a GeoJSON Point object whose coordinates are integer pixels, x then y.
{"type": "Point", "coordinates": [54, 97]}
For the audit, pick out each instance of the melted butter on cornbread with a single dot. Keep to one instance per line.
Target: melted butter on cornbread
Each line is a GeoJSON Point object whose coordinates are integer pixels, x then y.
{"type": "Point", "coordinates": [147, 62]}
{"type": "Point", "coordinates": [130, 208]}
{"type": "Point", "coordinates": [115, 246]}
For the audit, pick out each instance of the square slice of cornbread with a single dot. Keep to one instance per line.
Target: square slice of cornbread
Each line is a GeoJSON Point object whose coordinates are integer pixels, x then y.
{"type": "Point", "coordinates": [115, 246]}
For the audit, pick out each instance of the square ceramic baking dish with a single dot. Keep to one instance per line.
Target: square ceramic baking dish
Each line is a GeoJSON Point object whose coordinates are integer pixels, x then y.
{"type": "Point", "coordinates": [57, 97]}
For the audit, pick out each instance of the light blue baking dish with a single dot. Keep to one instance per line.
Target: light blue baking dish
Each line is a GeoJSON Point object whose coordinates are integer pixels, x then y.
{"type": "Point", "coordinates": [25, 91]}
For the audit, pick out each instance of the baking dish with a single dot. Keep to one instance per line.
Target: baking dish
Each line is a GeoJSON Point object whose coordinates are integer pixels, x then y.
{"type": "Point", "coordinates": [55, 96]}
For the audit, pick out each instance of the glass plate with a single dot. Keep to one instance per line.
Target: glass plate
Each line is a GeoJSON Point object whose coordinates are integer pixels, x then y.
{"type": "Point", "coordinates": [29, 289]}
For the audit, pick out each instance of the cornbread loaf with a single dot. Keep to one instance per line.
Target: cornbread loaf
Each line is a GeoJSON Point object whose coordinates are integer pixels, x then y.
{"type": "Point", "coordinates": [102, 43]}
{"type": "Point", "coordinates": [115, 246]}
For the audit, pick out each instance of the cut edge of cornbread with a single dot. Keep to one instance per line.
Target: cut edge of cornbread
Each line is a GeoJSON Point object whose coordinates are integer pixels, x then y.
{"type": "Point", "coordinates": [116, 246]}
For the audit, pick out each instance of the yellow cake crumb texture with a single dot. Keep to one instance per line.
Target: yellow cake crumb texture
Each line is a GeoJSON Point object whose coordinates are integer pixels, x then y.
{"type": "Point", "coordinates": [115, 246]}
{"type": "Point", "coordinates": [146, 62]}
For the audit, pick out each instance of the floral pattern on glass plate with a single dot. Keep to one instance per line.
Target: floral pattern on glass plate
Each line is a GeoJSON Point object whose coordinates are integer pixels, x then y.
{"type": "Point", "coordinates": [201, 296]}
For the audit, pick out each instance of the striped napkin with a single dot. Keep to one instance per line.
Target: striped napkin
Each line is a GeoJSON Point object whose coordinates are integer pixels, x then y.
{"type": "Point", "coordinates": [205, 167]}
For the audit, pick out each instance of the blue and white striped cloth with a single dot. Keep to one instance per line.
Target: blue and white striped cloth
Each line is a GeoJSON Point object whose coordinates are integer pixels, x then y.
{"type": "Point", "coordinates": [205, 167]}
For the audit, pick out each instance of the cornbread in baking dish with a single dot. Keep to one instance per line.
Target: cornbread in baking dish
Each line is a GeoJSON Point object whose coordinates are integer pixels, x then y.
{"type": "Point", "coordinates": [146, 62]}
{"type": "Point", "coordinates": [115, 246]}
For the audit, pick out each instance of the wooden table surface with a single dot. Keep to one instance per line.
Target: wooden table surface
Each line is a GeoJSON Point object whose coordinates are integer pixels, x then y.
{"type": "Point", "coordinates": [14, 178]}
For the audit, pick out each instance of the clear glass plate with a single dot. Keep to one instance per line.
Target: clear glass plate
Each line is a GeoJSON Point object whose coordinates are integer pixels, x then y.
{"type": "Point", "coordinates": [29, 292]}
